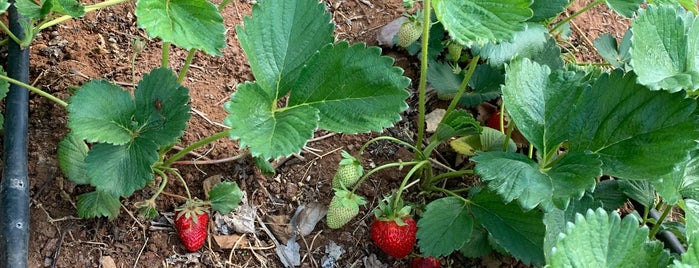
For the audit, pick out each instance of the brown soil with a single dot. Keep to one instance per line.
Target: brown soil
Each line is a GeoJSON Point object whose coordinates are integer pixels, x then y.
{"type": "Point", "coordinates": [99, 46]}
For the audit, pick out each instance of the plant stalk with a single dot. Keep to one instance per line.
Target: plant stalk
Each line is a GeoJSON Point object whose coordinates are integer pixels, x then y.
{"type": "Point", "coordinates": [376, 169]}
{"type": "Point", "coordinates": [87, 9]}
{"type": "Point", "coordinates": [9, 33]}
{"type": "Point", "coordinates": [187, 63]}
{"type": "Point", "coordinates": [35, 90]}
{"type": "Point", "coordinates": [660, 220]}
{"type": "Point", "coordinates": [184, 183]}
{"type": "Point", "coordinates": [453, 174]}
{"type": "Point", "coordinates": [163, 183]}
{"type": "Point", "coordinates": [464, 84]}
{"type": "Point", "coordinates": [572, 16]}
{"type": "Point", "coordinates": [194, 146]}
{"type": "Point", "coordinates": [407, 177]}
{"type": "Point", "coordinates": [165, 62]}
{"type": "Point", "coordinates": [422, 88]}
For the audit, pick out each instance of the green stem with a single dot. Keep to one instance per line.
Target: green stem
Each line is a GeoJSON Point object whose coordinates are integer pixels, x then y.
{"type": "Point", "coordinates": [415, 168]}
{"type": "Point", "coordinates": [35, 90]}
{"type": "Point", "coordinates": [163, 183]}
{"type": "Point", "coordinates": [463, 86]}
{"type": "Point", "coordinates": [660, 220]}
{"type": "Point", "coordinates": [453, 194]}
{"type": "Point", "coordinates": [223, 4]}
{"type": "Point", "coordinates": [165, 62]}
{"type": "Point", "coordinates": [87, 9]}
{"type": "Point", "coordinates": [422, 88]}
{"type": "Point", "coordinates": [571, 17]}
{"type": "Point", "coordinates": [376, 169]}
{"type": "Point", "coordinates": [452, 174]}
{"type": "Point", "coordinates": [185, 68]}
{"type": "Point", "coordinates": [194, 146]}
{"type": "Point", "coordinates": [361, 150]}
{"type": "Point", "coordinates": [10, 34]}
{"type": "Point", "coordinates": [184, 183]}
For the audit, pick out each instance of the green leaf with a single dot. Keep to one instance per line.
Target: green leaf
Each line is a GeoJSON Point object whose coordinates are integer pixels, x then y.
{"type": "Point", "coordinates": [279, 39]}
{"type": "Point", "coordinates": [477, 245]}
{"type": "Point", "coordinates": [691, 257]}
{"type": "Point", "coordinates": [616, 54]}
{"type": "Point", "coordinates": [534, 97]}
{"type": "Point", "coordinates": [641, 191]}
{"type": "Point", "coordinates": [354, 88]}
{"type": "Point", "coordinates": [269, 133]}
{"type": "Point", "coordinates": [444, 226]}
{"type": "Point", "coordinates": [665, 48]}
{"type": "Point", "coordinates": [482, 21]}
{"type": "Point", "coordinates": [534, 43]}
{"type": "Point", "coordinates": [161, 107]}
{"type": "Point", "coordinates": [683, 181]}
{"type": "Point", "coordinates": [599, 239]}
{"type": "Point", "coordinates": [557, 220]}
{"type": "Point", "coordinates": [546, 9]}
{"type": "Point", "coordinates": [265, 166]}
{"type": "Point", "coordinates": [520, 233]}
{"type": "Point", "coordinates": [30, 9]}
{"type": "Point", "coordinates": [456, 123]}
{"type": "Point", "coordinates": [98, 204]}
{"type": "Point", "coordinates": [4, 5]}
{"type": "Point", "coordinates": [101, 112]}
{"type": "Point", "coordinates": [638, 133]}
{"type": "Point", "coordinates": [4, 88]}
{"type": "Point", "coordinates": [69, 7]}
{"type": "Point", "coordinates": [626, 8]}
{"type": "Point", "coordinates": [490, 140]}
{"type": "Point", "coordinates": [189, 24]}
{"type": "Point", "coordinates": [71, 159]}
{"type": "Point", "coordinates": [485, 83]}
{"type": "Point", "coordinates": [523, 180]}
{"type": "Point", "coordinates": [225, 197]}
{"type": "Point", "coordinates": [609, 194]}
{"type": "Point", "coordinates": [121, 169]}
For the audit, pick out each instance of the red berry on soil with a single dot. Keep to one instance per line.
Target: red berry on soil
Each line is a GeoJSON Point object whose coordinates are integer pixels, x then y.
{"type": "Point", "coordinates": [397, 241]}
{"type": "Point", "coordinates": [191, 226]}
{"type": "Point", "coordinates": [420, 262]}
{"type": "Point", "coordinates": [494, 121]}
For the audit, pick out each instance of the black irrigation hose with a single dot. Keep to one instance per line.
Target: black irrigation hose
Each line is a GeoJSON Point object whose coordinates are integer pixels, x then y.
{"type": "Point", "coordinates": [14, 187]}
{"type": "Point", "coordinates": [668, 238]}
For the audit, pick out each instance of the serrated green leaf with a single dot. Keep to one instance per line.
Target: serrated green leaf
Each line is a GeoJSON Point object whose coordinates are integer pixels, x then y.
{"type": "Point", "coordinates": [456, 123]}
{"type": "Point", "coordinates": [665, 48]}
{"type": "Point", "coordinates": [71, 159]}
{"type": "Point", "coordinates": [484, 83]}
{"type": "Point", "coordinates": [225, 197]}
{"type": "Point", "coordinates": [534, 97]}
{"type": "Point", "coordinates": [599, 239]}
{"type": "Point", "coordinates": [683, 181]}
{"type": "Point", "coordinates": [121, 169]}
{"type": "Point", "coordinates": [265, 166]}
{"type": "Point", "coordinates": [641, 191]}
{"type": "Point", "coordinates": [354, 88]}
{"type": "Point", "coordinates": [626, 8]}
{"type": "Point", "coordinates": [30, 9]}
{"type": "Point", "coordinates": [477, 245]}
{"type": "Point", "coordinates": [444, 226]}
{"type": "Point", "coordinates": [101, 112]}
{"type": "Point", "coordinates": [534, 43]}
{"type": "Point", "coordinates": [691, 212]}
{"type": "Point", "coordinates": [189, 24]}
{"type": "Point", "coordinates": [557, 220]}
{"type": "Point", "coordinates": [520, 233]}
{"type": "Point", "coordinates": [523, 180]}
{"type": "Point", "coordinates": [269, 133]}
{"type": "Point", "coordinates": [638, 133]}
{"type": "Point", "coordinates": [98, 204]}
{"type": "Point", "coordinates": [482, 21]}
{"type": "Point", "coordinates": [161, 107]}
{"type": "Point", "coordinates": [690, 258]}
{"type": "Point", "coordinates": [609, 194]}
{"type": "Point", "coordinates": [607, 47]}
{"type": "Point", "coordinates": [4, 5]}
{"type": "Point", "coordinates": [546, 9]}
{"type": "Point", "coordinates": [280, 37]}
{"type": "Point", "coordinates": [490, 140]}
{"type": "Point", "coordinates": [69, 7]}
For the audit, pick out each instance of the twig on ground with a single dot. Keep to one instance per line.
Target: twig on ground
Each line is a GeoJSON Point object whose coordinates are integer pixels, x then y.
{"type": "Point", "coordinates": [135, 264]}
{"type": "Point", "coordinates": [143, 227]}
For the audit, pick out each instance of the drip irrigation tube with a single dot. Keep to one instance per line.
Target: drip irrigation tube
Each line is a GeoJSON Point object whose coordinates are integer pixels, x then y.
{"type": "Point", "coordinates": [14, 187]}
{"type": "Point", "coordinates": [669, 239]}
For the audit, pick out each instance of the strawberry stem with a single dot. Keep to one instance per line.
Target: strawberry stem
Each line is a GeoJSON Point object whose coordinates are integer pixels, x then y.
{"type": "Point", "coordinates": [415, 168]}
{"type": "Point", "coordinates": [384, 166]}
{"type": "Point", "coordinates": [184, 183]}
{"type": "Point", "coordinates": [412, 147]}
{"type": "Point", "coordinates": [163, 183]}
{"type": "Point", "coordinates": [194, 146]}
{"type": "Point", "coordinates": [187, 63]}
{"type": "Point", "coordinates": [422, 88]}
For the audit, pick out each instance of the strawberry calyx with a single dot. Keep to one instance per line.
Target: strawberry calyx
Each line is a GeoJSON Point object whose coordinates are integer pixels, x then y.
{"type": "Point", "coordinates": [192, 209]}
{"type": "Point", "coordinates": [390, 209]}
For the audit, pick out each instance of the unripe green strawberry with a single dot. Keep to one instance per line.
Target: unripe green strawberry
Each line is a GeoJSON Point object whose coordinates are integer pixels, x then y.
{"type": "Point", "coordinates": [343, 207]}
{"type": "Point", "coordinates": [409, 32]}
{"type": "Point", "coordinates": [348, 172]}
{"type": "Point", "coordinates": [454, 50]}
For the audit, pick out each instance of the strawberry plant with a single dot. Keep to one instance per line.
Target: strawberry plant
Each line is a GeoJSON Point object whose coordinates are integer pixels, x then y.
{"type": "Point", "coordinates": [596, 137]}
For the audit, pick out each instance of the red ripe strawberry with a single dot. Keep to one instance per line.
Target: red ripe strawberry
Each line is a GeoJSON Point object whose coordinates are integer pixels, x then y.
{"type": "Point", "coordinates": [420, 262]}
{"type": "Point", "coordinates": [191, 221]}
{"type": "Point", "coordinates": [396, 240]}
{"type": "Point", "coordinates": [494, 121]}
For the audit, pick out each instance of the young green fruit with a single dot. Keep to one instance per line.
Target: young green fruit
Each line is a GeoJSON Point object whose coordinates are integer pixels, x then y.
{"type": "Point", "coordinates": [191, 222]}
{"type": "Point", "coordinates": [343, 207]}
{"type": "Point", "coordinates": [409, 32]}
{"type": "Point", "coordinates": [454, 50]}
{"type": "Point", "coordinates": [394, 239]}
{"type": "Point", "coordinates": [348, 172]}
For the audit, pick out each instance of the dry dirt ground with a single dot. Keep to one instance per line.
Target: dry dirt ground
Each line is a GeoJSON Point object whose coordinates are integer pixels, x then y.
{"type": "Point", "coordinates": [100, 46]}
